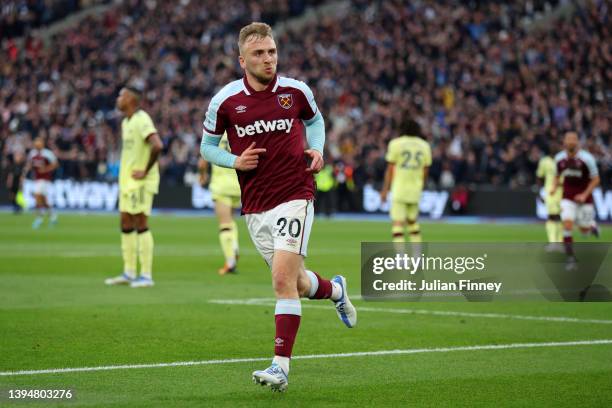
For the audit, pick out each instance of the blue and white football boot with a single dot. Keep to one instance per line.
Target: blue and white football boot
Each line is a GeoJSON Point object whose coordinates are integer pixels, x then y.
{"type": "Point", "coordinates": [142, 282]}
{"type": "Point", "coordinates": [273, 376]}
{"type": "Point", "coordinates": [344, 308]}
{"type": "Point", "coordinates": [122, 279]}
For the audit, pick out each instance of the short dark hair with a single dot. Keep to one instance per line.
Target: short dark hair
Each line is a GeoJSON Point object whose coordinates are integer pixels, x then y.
{"type": "Point", "coordinates": [410, 127]}
{"type": "Point", "coordinates": [134, 89]}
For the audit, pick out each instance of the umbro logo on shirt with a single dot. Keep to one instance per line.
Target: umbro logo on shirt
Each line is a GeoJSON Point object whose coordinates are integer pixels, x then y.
{"type": "Point", "coordinates": [264, 126]}
{"type": "Point", "coordinates": [241, 109]}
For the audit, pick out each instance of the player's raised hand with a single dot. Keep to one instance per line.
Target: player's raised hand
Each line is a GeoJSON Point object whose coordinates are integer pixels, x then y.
{"type": "Point", "coordinates": [249, 159]}
{"type": "Point", "coordinates": [316, 163]}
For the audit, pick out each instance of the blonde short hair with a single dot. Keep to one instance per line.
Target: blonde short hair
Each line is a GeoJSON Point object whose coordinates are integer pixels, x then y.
{"type": "Point", "coordinates": [257, 30]}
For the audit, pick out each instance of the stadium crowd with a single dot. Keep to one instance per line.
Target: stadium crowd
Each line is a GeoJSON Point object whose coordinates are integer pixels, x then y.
{"type": "Point", "coordinates": [489, 95]}
{"type": "Point", "coordinates": [19, 17]}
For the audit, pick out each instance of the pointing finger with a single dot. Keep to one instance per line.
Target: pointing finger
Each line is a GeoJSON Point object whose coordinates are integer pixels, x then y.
{"type": "Point", "coordinates": [257, 151]}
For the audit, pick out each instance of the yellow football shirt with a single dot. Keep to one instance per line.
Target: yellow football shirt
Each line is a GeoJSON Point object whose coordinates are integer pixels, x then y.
{"type": "Point", "coordinates": [547, 169]}
{"type": "Point", "coordinates": [135, 153]}
{"type": "Point", "coordinates": [411, 155]}
{"type": "Point", "coordinates": [224, 181]}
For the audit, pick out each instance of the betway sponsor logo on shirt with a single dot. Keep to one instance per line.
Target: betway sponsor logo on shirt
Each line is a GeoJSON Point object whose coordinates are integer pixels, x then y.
{"type": "Point", "coordinates": [571, 173]}
{"type": "Point", "coordinates": [264, 126]}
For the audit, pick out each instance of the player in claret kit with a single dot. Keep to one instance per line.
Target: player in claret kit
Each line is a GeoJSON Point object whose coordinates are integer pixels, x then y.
{"type": "Point", "coordinates": [577, 172]}
{"type": "Point", "coordinates": [265, 116]}
{"type": "Point", "coordinates": [43, 163]}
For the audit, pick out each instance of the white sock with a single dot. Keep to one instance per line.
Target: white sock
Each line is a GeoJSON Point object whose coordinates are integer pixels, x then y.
{"type": "Point", "coordinates": [283, 363]}
{"type": "Point", "coordinates": [314, 283]}
{"type": "Point", "coordinates": [336, 291]}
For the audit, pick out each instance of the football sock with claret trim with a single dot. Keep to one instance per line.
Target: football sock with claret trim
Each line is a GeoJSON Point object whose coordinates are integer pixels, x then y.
{"type": "Point", "coordinates": [287, 315]}
{"type": "Point", "coordinates": [397, 232]}
{"type": "Point", "coordinates": [568, 242]}
{"type": "Point", "coordinates": [322, 288]}
{"type": "Point", "coordinates": [415, 232]}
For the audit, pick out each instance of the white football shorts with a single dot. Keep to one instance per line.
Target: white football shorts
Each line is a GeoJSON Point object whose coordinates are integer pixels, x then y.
{"type": "Point", "coordinates": [286, 226]}
{"type": "Point", "coordinates": [582, 214]}
{"type": "Point", "coordinates": [41, 187]}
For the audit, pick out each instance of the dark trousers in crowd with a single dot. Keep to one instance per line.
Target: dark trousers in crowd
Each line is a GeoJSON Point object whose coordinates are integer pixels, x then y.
{"type": "Point", "coordinates": [345, 201]}
{"type": "Point", "coordinates": [12, 195]}
{"type": "Point", "coordinates": [324, 204]}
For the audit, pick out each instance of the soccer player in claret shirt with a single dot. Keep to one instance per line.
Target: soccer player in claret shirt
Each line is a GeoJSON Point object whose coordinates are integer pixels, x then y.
{"type": "Point", "coordinates": [138, 183]}
{"type": "Point", "coordinates": [265, 116]}
{"type": "Point", "coordinates": [43, 163]}
{"type": "Point", "coordinates": [577, 171]}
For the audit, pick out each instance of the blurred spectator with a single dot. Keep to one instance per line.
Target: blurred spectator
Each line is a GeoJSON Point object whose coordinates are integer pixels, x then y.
{"type": "Point", "coordinates": [17, 17]}
{"type": "Point", "coordinates": [459, 199]}
{"type": "Point", "coordinates": [324, 204]}
{"type": "Point", "coordinates": [345, 185]}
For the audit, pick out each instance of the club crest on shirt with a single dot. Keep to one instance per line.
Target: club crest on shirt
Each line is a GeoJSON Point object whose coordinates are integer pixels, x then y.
{"type": "Point", "coordinates": [285, 100]}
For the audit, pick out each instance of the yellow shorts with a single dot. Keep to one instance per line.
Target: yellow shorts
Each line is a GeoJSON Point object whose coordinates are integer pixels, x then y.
{"type": "Point", "coordinates": [553, 205]}
{"type": "Point", "coordinates": [404, 211]}
{"type": "Point", "coordinates": [137, 201]}
{"type": "Point", "coordinates": [230, 201]}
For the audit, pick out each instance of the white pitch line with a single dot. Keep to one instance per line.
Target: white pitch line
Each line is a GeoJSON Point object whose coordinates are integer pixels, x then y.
{"type": "Point", "coordinates": [270, 302]}
{"type": "Point", "coordinates": [315, 356]}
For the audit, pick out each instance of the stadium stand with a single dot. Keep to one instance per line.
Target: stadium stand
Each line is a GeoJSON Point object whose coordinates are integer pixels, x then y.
{"type": "Point", "coordinates": [19, 17]}
{"type": "Point", "coordinates": [489, 92]}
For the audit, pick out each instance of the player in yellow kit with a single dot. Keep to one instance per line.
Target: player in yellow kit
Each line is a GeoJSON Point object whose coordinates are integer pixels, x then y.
{"type": "Point", "coordinates": [138, 183]}
{"type": "Point", "coordinates": [546, 173]}
{"type": "Point", "coordinates": [226, 195]}
{"type": "Point", "coordinates": [408, 160]}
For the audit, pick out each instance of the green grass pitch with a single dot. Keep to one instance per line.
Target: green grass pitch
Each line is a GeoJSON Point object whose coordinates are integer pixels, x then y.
{"type": "Point", "coordinates": [55, 312]}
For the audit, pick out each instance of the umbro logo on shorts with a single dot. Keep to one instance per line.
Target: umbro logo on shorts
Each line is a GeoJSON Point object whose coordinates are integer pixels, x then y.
{"type": "Point", "coordinates": [264, 126]}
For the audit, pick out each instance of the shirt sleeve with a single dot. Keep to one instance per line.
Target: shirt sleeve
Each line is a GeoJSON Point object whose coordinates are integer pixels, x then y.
{"type": "Point", "coordinates": [48, 154]}
{"type": "Point", "coordinates": [214, 122]}
{"type": "Point", "coordinates": [540, 170]}
{"type": "Point", "coordinates": [309, 108]}
{"type": "Point", "coordinates": [591, 164]}
{"type": "Point", "coordinates": [147, 128]}
{"type": "Point", "coordinates": [427, 158]}
{"type": "Point", "coordinates": [315, 132]}
{"type": "Point", "coordinates": [212, 153]}
{"type": "Point", "coordinates": [391, 155]}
